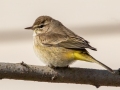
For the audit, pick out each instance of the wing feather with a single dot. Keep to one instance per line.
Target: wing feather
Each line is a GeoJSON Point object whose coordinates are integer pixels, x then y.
{"type": "Point", "coordinates": [58, 40]}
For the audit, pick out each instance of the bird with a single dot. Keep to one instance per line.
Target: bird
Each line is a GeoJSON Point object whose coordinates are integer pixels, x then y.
{"type": "Point", "coordinates": [57, 46]}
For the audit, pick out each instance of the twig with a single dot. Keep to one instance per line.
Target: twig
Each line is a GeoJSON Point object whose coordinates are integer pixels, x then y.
{"type": "Point", "coordinates": [94, 77]}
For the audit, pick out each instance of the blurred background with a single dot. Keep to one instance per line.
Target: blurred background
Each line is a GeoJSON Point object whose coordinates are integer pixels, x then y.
{"type": "Point", "coordinates": [98, 21]}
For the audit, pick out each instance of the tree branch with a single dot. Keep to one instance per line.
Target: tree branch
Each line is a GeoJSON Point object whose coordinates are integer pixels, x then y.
{"type": "Point", "coordinates": [23, 71]}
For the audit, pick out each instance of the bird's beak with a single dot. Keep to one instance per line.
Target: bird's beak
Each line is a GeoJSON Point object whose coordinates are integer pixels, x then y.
{"type": "Point", "coordinates": [29, 28]}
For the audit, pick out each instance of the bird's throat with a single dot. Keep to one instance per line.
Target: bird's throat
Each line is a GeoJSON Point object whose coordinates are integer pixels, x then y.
{"type": "Point", "coordinates": [34, 34]}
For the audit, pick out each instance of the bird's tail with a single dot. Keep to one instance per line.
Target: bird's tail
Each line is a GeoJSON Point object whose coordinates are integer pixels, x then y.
{"type": "Point", "coordinates": [84, 56]}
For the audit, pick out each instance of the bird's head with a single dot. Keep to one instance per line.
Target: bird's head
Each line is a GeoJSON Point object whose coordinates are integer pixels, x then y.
{"type": "Point", "coordinates": [42, 24]}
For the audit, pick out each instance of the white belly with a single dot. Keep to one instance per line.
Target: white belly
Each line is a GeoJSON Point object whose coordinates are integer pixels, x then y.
{"type": "Point", "coordinates": [53, 57]}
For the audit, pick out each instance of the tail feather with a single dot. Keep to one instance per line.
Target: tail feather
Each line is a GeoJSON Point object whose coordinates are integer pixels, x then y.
{"type": "Point", "coordinates": [100, 63]}
{"type": "Point", "coordinates": [84, 56]}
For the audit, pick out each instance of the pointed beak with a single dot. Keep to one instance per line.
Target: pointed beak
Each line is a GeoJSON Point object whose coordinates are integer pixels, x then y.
{"type": "Point", "coordinates": [29, 27]}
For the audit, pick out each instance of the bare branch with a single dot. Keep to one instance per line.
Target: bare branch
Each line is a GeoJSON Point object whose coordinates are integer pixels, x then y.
{"type": "Point", "coordinates": [23, 71]}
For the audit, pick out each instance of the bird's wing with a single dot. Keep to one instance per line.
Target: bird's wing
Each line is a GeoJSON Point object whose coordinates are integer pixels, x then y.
{"type": "Point", "coordinates": [65, 41]}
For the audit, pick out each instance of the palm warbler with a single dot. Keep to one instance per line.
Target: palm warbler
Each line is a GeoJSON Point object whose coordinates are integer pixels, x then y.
{"type": "Point", "coordinates": [57, 46]}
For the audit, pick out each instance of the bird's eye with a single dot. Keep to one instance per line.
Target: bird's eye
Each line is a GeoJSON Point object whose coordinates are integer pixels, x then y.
{"type": "Point", "coordinates": [41, 26]}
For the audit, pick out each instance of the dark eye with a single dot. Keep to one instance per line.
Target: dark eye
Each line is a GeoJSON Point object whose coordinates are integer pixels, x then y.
{"type": "Point", "coordinates": [41, 26]}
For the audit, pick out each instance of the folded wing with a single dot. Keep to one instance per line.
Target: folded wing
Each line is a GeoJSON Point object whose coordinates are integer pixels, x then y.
{"type": "Point", "coordinates": [58, 40]}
